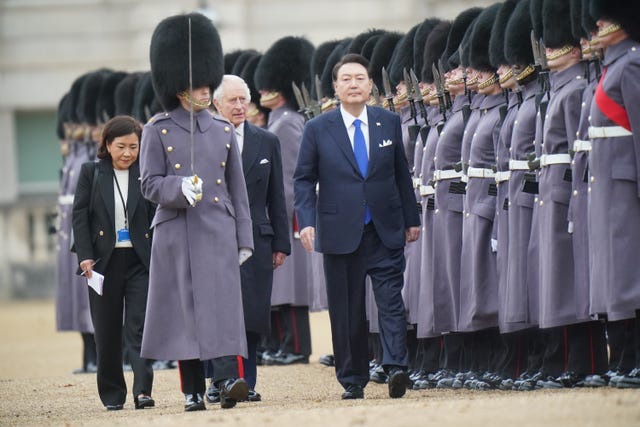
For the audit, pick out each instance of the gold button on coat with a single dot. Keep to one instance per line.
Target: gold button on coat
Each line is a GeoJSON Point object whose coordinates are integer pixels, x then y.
{"type": "Point", "coordinates": [218, 181]}
{"type": "Point", "coordinates": [223, 164]}
{"type": "Point", "coordinates": [228, 146]}
{"type": "Point", "coordinates": [216, 200]}
{"type": "Point", "coordinates": [226, 129]}
{"type": "Point", "coordinates": [101, 233]}
{"type": "Point", "coordinates": [170, 148]}
{"type": "Point", "coordinates": [177, 166]}
{"type": "Point", "coordinates": [146, 235]}
{"type": "Point", "coordinates": [164, 131]}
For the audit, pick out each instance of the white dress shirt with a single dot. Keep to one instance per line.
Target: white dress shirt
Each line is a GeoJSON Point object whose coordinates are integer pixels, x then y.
{"type": "Point", "coordinates": [240, 136]}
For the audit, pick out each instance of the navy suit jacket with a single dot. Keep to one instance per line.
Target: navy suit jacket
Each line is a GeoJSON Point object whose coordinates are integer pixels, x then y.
{"type": "Point", "coordinates": [337, 209]}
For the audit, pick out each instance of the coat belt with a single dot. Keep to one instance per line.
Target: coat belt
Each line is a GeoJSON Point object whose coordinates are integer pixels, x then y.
{"type": "Point", "coordinates": [581, 145]}
{"type": "Point", "coordinates": [608, 132]}
{"type": "Point", "coordinates": [518, 165]}
{"type": "Point", "coordinates": [440, 175]}
{"type": "Point", "coordinates": [554, 159]}
{"type": "Point", "coordinates": [481, 173]}
{"type": "Point", "coordinates": [427, 190]}
{"type": "Point", "coordinates": [502, 176]}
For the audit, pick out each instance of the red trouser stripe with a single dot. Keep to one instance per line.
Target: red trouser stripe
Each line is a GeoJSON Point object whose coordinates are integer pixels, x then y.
{"type": "Point", "coordinates": [240, 367]}
{"type": "Point", "coordinates": [180, 375]}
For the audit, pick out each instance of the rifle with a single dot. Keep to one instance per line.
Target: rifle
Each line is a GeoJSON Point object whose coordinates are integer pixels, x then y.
{"type": "Point", "coordinates": [437, 80]}
{"type": "Point", "coordinates": [388, 94]}
{"type": "Point", "coordinates": [417, 93]}
{"type": "Point", "coordinates": [302, 107]}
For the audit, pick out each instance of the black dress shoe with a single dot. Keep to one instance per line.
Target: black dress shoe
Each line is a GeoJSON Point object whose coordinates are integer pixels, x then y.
{"type": "Point", "coordinates": [144, 402]}
{"type": "Point", "coordinates": [233, 391]}
{"type": "Point", "coordinates": [114, 407]}
{"type": "Point", "coordinates": [193, 402]}
{"type": "Point", "coordinates": [398, 383]}
{"type": "Point", "coordinates": [327, 360]}
{"type": "Point", "coordinates": [353, 391]}
{"type": "Point", "coordinates": [213, 393]}
{"type": "Point", "coordinates": [253, 396]}
{"type": "Point", "coordinates": [290, 359]}
{"type": "Point", "coordinates": [630, 380]}
{"type": "Point", "coordinates": [571, 379]}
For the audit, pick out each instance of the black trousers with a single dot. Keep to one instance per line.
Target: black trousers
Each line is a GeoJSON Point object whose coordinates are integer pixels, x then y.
{"type": "Point", "coordinates": [428, 354]}
{"type": "Point", "coordinates": [292, 326]}
{"type": "Point", "coordinates": [247, 369]}
{"type": "Point", "coordinates": [88, 349]}
{"type": "Point", "coordinates": [126, 282]}
{"type": "Point", "coordinates": [452, 351]}
{"type": "Point", "coordinates": [621, 345]}
{"type": "Point", "coordinates": [194, 371]}
{"type": "Point", "coordinates": [514, 353]}
{"type": "Point", "coordinates": [345, 277]}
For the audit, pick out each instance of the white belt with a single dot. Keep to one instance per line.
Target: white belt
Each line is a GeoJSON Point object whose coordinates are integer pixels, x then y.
{"type": "Point", "coordinates": [440, 175]}
{"type": "Point", "coordinates": [67, 199]}
{"type": "Point", "coordinates": [581, 145]}
{"type": "Point", "coordinates": [518, 165]}
{"type": "Point", "coordinates": [480, 173]}
{"type": "Point", "coordinates": [416, 182]}
{"type": "Point", "coordinates": [502, 176]}
{"type": "Point", "coordinates": [608, 132]}
{"type": "Point", "coordinates": [554, 159]}
{"type": "Point", "coordinates": [427, 190]}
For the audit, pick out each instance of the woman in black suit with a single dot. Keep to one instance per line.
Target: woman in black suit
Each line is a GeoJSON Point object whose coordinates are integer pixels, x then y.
{"type": "Point", "coordinates": [112, 237]}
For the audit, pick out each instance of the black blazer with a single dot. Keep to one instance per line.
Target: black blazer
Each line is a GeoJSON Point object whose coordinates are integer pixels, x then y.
{"type": "Point", "coordinates": [262, 166]}
{"type": "Point", "coordinates": [94, 232]}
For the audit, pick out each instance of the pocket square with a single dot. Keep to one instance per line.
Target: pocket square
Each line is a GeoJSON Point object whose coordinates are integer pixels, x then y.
{"type": "Point", "coordinates": [264, 161]}
{"type": "Point", "coordinates": [385, 143]}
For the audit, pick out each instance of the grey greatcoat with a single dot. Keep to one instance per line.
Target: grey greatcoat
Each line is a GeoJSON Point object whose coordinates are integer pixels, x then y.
{"type": "Point", "coordinates": [194, 307]}
{"type": "Point", "coordinates": [447, 220]}
{"type": "Point", "coordinates": [72, 297]}
{"type": "Point", "coordinates": [521, 289]}
{"type": "Point", "coordinates": [291, 284]}
{"type": "Point", "coordinates": [478, 273]}
{"type": "Point", "coordinates": [614, 200]}
{"type": "Point", "coordinates": [431, 292]}
{"type": "Point", "coordinates": [262, 167]}
{"type": "Point", "coordinates": [557, 281]}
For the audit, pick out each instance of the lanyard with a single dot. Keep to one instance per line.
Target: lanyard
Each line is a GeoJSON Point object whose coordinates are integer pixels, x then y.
{"type": "Point", "coordinates": [124, 205]}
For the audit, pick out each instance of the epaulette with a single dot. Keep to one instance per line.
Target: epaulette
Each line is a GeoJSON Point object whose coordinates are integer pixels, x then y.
{"type": "Point", "coordinates": [158, 117]}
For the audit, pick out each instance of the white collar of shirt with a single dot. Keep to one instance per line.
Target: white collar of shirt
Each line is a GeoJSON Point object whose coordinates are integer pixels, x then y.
{"type": "Point", "coordinates": [240, 136]}
{"type": "Point", "coordinates": [348, 119]}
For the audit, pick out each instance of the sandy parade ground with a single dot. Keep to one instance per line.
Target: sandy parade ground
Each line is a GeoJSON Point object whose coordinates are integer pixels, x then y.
{"type": "Point", "coordinates": [37, 388]}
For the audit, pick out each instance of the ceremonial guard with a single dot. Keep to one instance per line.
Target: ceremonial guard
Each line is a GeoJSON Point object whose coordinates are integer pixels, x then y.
{"type": "Point", "coordinates": [191, 167]}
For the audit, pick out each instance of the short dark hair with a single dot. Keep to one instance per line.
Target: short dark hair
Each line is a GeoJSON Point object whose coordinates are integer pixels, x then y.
{"type": "Point", "coordinates": [117, 126]}
{"type": "Point", "coordinates": [349, 59]}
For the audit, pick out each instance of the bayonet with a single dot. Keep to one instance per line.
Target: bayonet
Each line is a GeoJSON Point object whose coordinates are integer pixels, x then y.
{"type": "Point", "coordinates": [302, 107]}
{"type": "Point", "coordinates": [447, 95]}
{"type": "Point", "coordinates": [375, 96]}
{"type": "Point", "coordinates": [318, 85]}
{"type": "Point", "coordinates": [410, 95]}
{"type": "Point", "coordinates": [418, 95]}
{"type": "Point", "coordinates": [312, 106]}
{"type": "Point", "coordinates": [388, 94]}
{"type": "Point", "coordinates": [535, 49]}
{"type": "Point", "coordinates": [437, 79]}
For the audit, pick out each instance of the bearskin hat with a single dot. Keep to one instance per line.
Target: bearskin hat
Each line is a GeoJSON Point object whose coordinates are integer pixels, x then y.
{"type": "Point", "coordinates": [230, 59]}
{"type": "Point", "coordinates": [287, 61]}
{"type": "Point", "coordinates": [169, 54]}
{"type": "Point", "coordinates": [517, 40]}
{"type": "Point", "coordinates": [106, 106]}
{"type": "Point", "coordinates": [125, 93]}
{"type": "Point", "coordinates": [86, 106]}
{"type": "Point", "coordinates": [359, 41]}
{"type": "Point", "coordinates": [419, 40]}
{"type": "Point", "coordinates": [456, 34]}
{"type": "Point", "coordinates": [433, 48]}
{"type": "Point", "coordinates": [623, 12]}
{"type": "Point", "coordinates": [496, 42]}
{"type": "Point", "coordinates": [242, 60]}
{"type": "Point", "coordinates": [381, 57]}
{"type": "Point", "coordinates": [402, 58]}
{"type": "Point", "coordinates": [326, 78]}
{"type": "Point", "coordinates": [478, 46]}
{"type": "Point", "coordinates": [318, 61]}
{"type": "Point", "coordinates": [556, 14]}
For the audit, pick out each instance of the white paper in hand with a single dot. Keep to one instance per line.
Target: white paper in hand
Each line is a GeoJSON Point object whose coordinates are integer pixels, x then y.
{"type": "Point", "coordinates": [96, 282]}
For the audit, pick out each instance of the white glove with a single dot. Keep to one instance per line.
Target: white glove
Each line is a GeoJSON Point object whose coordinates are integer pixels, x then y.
{"type": "Point", "coordinates": [244, 254]}
{"type": "Point", "coordinates": [494, 245]}
{"type": "Point", "coordinates": [190, 190]}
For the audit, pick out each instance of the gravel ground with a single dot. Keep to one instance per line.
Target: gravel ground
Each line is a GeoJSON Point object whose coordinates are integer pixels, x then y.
{"type": "Point", "coordinates": [37, 388]}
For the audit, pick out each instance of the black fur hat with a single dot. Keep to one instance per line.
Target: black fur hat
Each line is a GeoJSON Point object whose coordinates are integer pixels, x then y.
{"type": "Point", "coordinates": [381, 57]}
{"type": "Point", "coordinates": [419, 40]}
{"type": "Point", "coordinates": [623, 12]}
{"type": "Point", "coordinates": [74, 97]}
{"type": "Point", "coordinates": [288, 60]}
{"type": "Point", "coordinates": [517, 40]}
{"type": "Point", "coordinates": [169, 53]}
{"type": "Point", "coordinates": [62, 115]}
{"type": "Point", "coordinates": [248, 73]}
{"type": "Point", "coordinates": [318, 62]}
{"type": "Point", "coordinates": [358, 41]}
{"type": "Point", "coordinates": [143, 98]}
{"type": "Point", "coordinates": [402, 58]}
{"type": "Point", "coordinates": [588, 23]}
{"type": "Point", "coordinates": [125, 93]}
{"type": "Point", "coordinates": [106, 106]}
{"type": "Point", "coordinates": [456, 34]}
{"type": "Point", "coordinates": [86, 106]}
{"type": "Point", "coordinates": [478, 46]}
{"type": "Point", "coordinates": [576, 19]}
{"type": "Point", "coordinates": [496, 42]}
{"type": "Point", "coordinates": [367, 49]}
{"type": "Point", "coordinates": [242, 60]}
{"type": "Point", "coordinates": [230, 60]}
{"type": "Point", "coordinates": [326, 78]}
{"type": "Point", "coordinates": [433, 48]}
{"type": "Point", "coordinates": [556, 24]}
{"type": "Point", "coordinates": [535, 9]}
{"type": "Point", "coordinates": [462, 56]}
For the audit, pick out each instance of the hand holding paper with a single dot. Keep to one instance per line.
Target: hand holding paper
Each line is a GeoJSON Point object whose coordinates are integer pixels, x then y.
{"type": "Point", "coordinates": [95, 282]}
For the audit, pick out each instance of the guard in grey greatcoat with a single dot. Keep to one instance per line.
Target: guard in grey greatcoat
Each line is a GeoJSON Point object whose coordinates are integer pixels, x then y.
{"type": "Point", "coordinates": [570, 330]}
{"type": "Point", "coordinates": [288, 60]}
{"type": "Point", "coordinates": [614, 168]}
{"type": "Point", "coordinates": [198, 243]}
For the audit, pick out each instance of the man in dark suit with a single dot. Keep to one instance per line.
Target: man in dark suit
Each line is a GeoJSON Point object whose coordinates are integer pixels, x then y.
{"type": "Point", "coordinates": [364, 210]}
{"type": "Point", "coordinates": [262, 166]}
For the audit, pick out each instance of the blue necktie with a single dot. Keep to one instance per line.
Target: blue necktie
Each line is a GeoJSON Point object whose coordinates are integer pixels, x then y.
{"type": "Point", "coordinates": [360, 152]}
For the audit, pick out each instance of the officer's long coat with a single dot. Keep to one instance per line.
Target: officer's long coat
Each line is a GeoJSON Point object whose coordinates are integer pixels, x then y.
{"type": "Point", "coordinates": [557, 281]}
{"type": "Point", "coordinates": [194, 307]}
{"type": "Point", "coordinates": [521, 292]}
{"type": "Point", "coordinates": [478, 274]}
{"type": "Point", "coordinates": [72, 297]}
{"type": "Point", "coordinates": [614, 203]}
{"type": "Point", "coordinates": [291, 284]}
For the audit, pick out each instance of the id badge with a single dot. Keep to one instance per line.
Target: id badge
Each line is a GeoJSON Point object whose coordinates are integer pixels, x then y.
{"type": "Point", "coordinates": [123, 235]}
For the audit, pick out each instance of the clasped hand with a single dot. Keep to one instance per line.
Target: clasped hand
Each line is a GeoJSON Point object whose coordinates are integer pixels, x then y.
{"type": "Point", "coordinates": [192, 188]}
